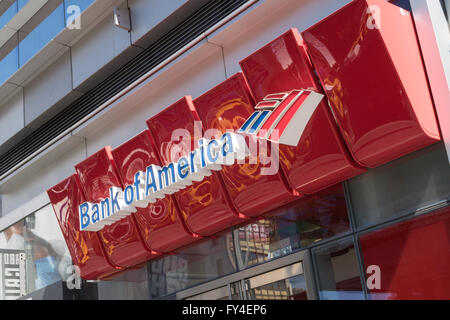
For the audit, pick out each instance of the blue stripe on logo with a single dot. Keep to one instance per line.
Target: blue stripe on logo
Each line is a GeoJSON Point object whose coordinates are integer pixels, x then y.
{"type": "Point", "coordinates": [260, 119]}
{"type": "Point", "coordinates": [249, 121]}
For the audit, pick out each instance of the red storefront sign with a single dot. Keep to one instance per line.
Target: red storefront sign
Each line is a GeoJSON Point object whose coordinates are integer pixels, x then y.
{"type": "Point", "coordinates": [85, 247]}
{"type": "Point", "coordinates": [321, 158]}
{"type": "Point", "coordinates": [371, 68]}
{"type": "Point", "coordinates": [377, 126]}
{"type": "Point", "coordinates": [160, 223]}
{"type": "Point", "coordinates": [227, 106]}
{"type": "Point", "coordinates": [122, 240]}
{"type": "Point", "coordinates": [205, 205]}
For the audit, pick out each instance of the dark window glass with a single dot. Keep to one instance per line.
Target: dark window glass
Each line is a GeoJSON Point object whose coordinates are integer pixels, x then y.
{"type": "Point", "coordinates": [338, 271]}
{"type": "Point", "coordinates": [294, 226]}
{"type": "Point", "coordinates": [412, 258]}
{"type": "Point", "coordinates": [401, 187]}
{"type": "Point", "coordinates": [200, 262]}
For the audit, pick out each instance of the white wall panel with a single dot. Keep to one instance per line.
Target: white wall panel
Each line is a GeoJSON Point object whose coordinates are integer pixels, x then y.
{"type": "Point", "coordinates": [146, 14]}
{"type": "Point", "coordinates": [49, 88]}
{"type": "Point", "coordinates": [11, 115]}
{"type": "Point", "coordinates": [97, 48]}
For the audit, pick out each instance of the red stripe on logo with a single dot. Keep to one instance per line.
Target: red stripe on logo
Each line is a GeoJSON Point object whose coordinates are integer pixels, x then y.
{"type": "Point", "coordinates": [276, 113]}
{"type": "Point", "coordinates": [266, 105]}
{"type": "Point", "coordinates": [275, 96]}
{"type": "Point", "coordinates": [281, 126]}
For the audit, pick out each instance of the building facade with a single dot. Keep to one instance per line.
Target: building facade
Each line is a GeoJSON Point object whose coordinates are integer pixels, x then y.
{"type": "Point", "coordinates": [346, 195]}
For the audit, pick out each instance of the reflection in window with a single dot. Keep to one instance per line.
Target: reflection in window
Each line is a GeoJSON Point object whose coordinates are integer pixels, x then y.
{"type": "Point", "coordinates": [288, 289]}
{"type": "Point", "coordinates": [401, 186]}
{"type": "Point", "coordinates": [287, 283]}
{"type": "Point", "coordinates": [338, 271]}
{"type": "Point", "coordinates": [294, 226]}
{"type": "Point", "coordinates": [200, 262]}
{"type": "Point", "coordinates": [38, 242]}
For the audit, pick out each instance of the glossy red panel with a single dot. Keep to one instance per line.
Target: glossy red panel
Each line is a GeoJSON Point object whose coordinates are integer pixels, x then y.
{"type": "Point", "coordinates": [227, 106]}
{"type": "Point", "coordinates": [160, 223]}
{"type": "Point", "coordinates": [205, 205]}
{"type": "Point", "coordinates": [413, 257]}
{"type": "Point", "coordinates": [368, 60]}
{"type": "Point", "coordinates": [121, 240]}
{"type": "Point", "coordinates": [85, 247]}
{"type": "Point", "coordinates": [320, 158]}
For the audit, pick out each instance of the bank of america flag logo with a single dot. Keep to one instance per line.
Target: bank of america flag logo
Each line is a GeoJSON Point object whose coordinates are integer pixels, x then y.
{"type": "Point", "coordinates": [282, 117]}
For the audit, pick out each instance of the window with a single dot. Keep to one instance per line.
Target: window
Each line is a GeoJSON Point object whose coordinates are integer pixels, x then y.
{"type": "Point", "coordinates": [337, 270]}
{"type": "Point", "coordinates": [33, 255]}
{"type": "Point", "coordinates": [413, 258]}
{"type": "Point", "coordinates": [9, 65]}
{"type": "Point", "coordinates": [292, 227]}
{"type": "Point", "coordinates": [401, 186]}
{"type": "Point", "coordinates": [6, 16]}
{"type": "Point", "coordinates": [41, 35]}
{"type": "Point", "coordinates": [197, 263]}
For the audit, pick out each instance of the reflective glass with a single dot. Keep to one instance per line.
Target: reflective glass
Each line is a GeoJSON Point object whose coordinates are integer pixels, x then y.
{"type": "Point", "coordinates": [401, 187]}
{"type": "Point", "coordinates": [22, 3]}
{"type": "Point", "coordinates": [41, 35]}
{"type": "Point", "coordinates": [287, 283]}
{"type": "Point", "coordinates": [200, 262]}
{"type": "Point", "coordinates": [131, 284]}
{"type": "Point", "coordinates": [82, 4]}
{"type": "Point", "coordinates": [293, 226]}
{"type": "Point", "coordinates": [293, 288]}
{"type": "Point", "coordinates": [8, 14]}
{"type": "Point", "coordinates": [338, 271]}
{"type": "Point", "coordinates": [9, 65]}
{"type": "Point", "coordinates": [409, 260]}
{"type": "Point", "coordinates": [33, 255]}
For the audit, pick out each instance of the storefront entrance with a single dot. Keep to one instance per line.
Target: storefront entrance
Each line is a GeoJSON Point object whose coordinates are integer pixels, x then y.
{"type": "Point", "coordinates": [288, 278]}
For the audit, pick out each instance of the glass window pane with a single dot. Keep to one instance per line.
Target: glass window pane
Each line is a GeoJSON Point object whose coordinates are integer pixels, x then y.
{"type": "Point", "coordinates": [41, 35]}
{"type": "Point", "coordinates": [128, 285]}
{"type": "Point", "coordinates": [8, 14]}
{"type": "Point", "coordinates": [200, 262]}
{"type": "Point", "coordinates": [412, 258]}
{"type": "Point", "coordinates": [82, 4]}
{"type": "Point", "coordinates": [22, 3]}
{"type": "Point", "coordinates": [338, 271]}
{"type": "Point", "coordinates": [221, 293]}
{"type": "Point", "coordinates": [288, 289]}
{"type": "Point", "coordinates": [287, 283]}
{"type": "Point", "coordinates": [401, 187]}
{"type": "Point", "coordinates": [9, 65]}
{"type": "Point", "coordinates": [294, 226]}
{"type": "Point", "coordinates": [38, 241]}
